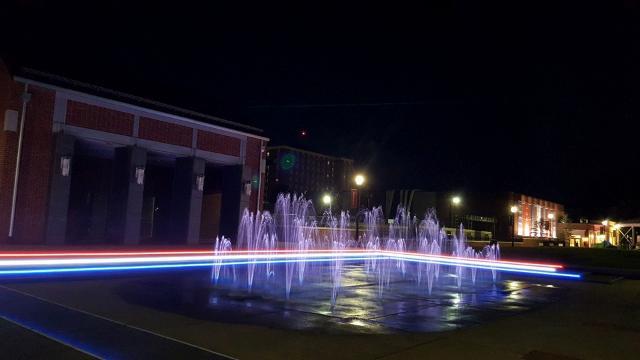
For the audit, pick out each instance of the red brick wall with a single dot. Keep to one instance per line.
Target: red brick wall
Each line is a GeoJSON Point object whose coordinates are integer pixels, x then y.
{"type": "Point", "coordinates": [218, 143]}
{"type": "Point", "coordinates": [252, 160]}
{"type": "Point", "coordinates": [99, 118]}
{"type": "Point", "coordinates": [35, 167]}
{"type": "Point", "coordinates": [156, 130]}
{"type": "Point", "coordinates": [10, 92]}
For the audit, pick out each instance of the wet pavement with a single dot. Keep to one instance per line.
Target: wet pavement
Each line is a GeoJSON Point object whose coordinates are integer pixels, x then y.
{"type": "Point", "coordinates": [402, 306]}
{"type": "Point", "coordinates": [515, 318]}
{"type": "Point", "coordinates": [19, 342]}
{"type": "Point", "coordinates": [91, 335]}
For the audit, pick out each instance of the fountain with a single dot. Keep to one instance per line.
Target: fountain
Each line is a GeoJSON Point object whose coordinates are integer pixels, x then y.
{"type": "Point", "coordinates": [297, 269]}
{"type": "Point", "coordinates": [295, 229]}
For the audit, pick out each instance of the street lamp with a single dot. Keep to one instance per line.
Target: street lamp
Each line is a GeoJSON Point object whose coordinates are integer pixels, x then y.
{"type": "Point", "coordinates": [512, 218]}
{"type": "Point", "coordinates": [359, 180]}
{"type": "Point", "coordinates": [550, 216]}
{"type": "Point", "coordinates": [455, 201]}
{"type": "Point", "coordinates": [326, 199]}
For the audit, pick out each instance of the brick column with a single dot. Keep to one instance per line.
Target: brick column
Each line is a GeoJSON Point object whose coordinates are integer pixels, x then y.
{"type": "Point", "coordinates": [187, 200]}
{"type": "Point", "coordinates": [125, 208]}
{"type": "Point", "coordinates": [59, 190]}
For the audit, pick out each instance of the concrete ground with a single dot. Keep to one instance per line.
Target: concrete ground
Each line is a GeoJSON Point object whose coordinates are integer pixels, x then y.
{"type": "Point", "coordinates": [593, 319]}
{"type": "Point", "coordinates": [22, 343]}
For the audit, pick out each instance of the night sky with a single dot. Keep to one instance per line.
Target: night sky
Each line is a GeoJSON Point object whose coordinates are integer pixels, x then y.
{"type": "Point", "coordinates": [537, 99]}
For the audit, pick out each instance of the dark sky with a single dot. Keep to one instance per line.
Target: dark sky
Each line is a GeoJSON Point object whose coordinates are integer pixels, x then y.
{"type": "Point", "coordinates": [525, 97]}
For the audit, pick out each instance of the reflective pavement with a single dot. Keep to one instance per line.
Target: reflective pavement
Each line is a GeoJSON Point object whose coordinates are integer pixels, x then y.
{"type": "Point", "coordinates": [403, 306]}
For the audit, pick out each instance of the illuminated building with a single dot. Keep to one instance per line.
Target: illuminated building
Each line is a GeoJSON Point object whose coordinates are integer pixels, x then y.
{"type": "Point", "coordinates": [292, 170]}
{"type": "Point", "coordinates": [485, 216]}
{"type": "Point", "coordinates": [535, 218]}
{"type": "Point", "coordinates": [589, 234]}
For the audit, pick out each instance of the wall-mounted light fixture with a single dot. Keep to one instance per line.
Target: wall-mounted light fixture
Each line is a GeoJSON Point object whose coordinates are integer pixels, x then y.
{"type": "Point", "coordinates": [11, 120]}
{"type": "Point", "coordinates": [65, 165]}
{"type": "Point", "coordinates": [140, 175]}
{"type": "Point", "coordinates": [200, 182]}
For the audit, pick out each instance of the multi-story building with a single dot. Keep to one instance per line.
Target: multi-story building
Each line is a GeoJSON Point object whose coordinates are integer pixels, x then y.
{"type": "Point", "coordinates": [291, 170]}
{"type": "Point", "coordinates": [83, 164]}
{"type": "Point", "coordinates": [504, 216]}
{"type": "Point", "coordinates": [534, 217]}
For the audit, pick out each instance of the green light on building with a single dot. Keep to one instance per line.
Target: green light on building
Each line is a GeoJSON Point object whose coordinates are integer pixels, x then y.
{"type": "Point", "coordinates": [288, 161]}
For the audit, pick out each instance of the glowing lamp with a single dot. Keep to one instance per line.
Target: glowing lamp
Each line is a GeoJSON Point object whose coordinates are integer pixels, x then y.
{"type": "Point", "coordinates": [456, 200]}
{"type": "Point", "coordinates": [200, 182]}
{"type": "Point", "coordinates": [514, 209]}
{"type": "Point", "coordinates": [65, 165]}
{"type": "Point", "coordinates": [359, 179]}
{"type": "Point", "coordinates": [551, 216]}
{"type": "Point", "coordinates": [326, 199]}
{"type": "Point", "coordinates": [605, 222]}
{"type": "Point", "coordinates": [139, 175]}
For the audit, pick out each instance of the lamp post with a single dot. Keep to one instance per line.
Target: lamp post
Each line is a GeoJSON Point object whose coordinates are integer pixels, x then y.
{"type": "Point", "coordinates": [455, 201]}
{"type": "Point", "coordinates": [605, 223]}
{"type": "Point", "coordinates": [551, 216]}
{"type": "Point", "coordinates": [359, 180]}
{"type": "Point", "coordinates": [512, 221]}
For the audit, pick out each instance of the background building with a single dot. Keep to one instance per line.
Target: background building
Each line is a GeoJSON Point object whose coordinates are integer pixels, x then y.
{"type": "Point", "coordinates": [99, 166]}
{"type": "Point", "coordinates": [291, 170]}
{"type": "Point", "coordinates": [504, 216]}
{"type": "Point", "coordinates": [588, 233]}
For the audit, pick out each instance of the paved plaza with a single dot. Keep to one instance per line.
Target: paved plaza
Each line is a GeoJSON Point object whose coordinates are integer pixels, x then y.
{"type": "Point", "coordinates": [180, 315]}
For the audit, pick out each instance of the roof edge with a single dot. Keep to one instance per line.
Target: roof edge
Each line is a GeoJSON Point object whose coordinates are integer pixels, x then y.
{"type": "Point", "coordinates": [307, 151]}
{"type": "Point", "coordinates": [57, 81]}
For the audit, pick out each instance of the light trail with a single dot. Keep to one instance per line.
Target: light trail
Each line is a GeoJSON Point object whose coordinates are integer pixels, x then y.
{"type": "Point", "coordinates": [183, 258]}
{"type": "Point", "coordinates": [134, 254]}
{"type": "Point", "coordinates": [156, 266]}
{"type": "Point", "coordinates": [143, 253]}
{"type": "Point", "coordinates": [246, 262]}
{"type": "Point", "coordinates": [56, 262]}
{"type": "Point", "coordinates": [532, 272]}
{"type": "Point", "coordinates": [450, 260]}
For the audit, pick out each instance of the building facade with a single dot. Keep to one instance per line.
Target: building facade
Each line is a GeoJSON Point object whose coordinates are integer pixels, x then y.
{"type": "Point", "coordinates": [535, 218]}
{"type": "Point", "coordinates": [588, 234]}
{"type": "Point", "coordinates": [485, 216]}
{"type": "Point", "coordinates": [291, 170]}
{"type": "Point", "coordinates": [82, 165]}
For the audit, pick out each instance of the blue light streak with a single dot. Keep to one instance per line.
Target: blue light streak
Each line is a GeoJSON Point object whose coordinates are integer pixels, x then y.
{"type": "Point", "coordinates": [533, 272]}
{"type": "Point", "coordinates": [187, 264]}
{"type": "Point", "coordinates": [163, 266]}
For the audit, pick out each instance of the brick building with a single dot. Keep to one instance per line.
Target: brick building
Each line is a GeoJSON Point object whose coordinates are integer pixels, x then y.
{"type": "Point", "coordinates": [292, 170]}
{"type": "Point", "coordinates": [99, 166]}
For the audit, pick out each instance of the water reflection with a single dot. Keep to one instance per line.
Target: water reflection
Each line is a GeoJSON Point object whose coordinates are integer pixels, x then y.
{"type": "Point", "coordinates": [404, 307]}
